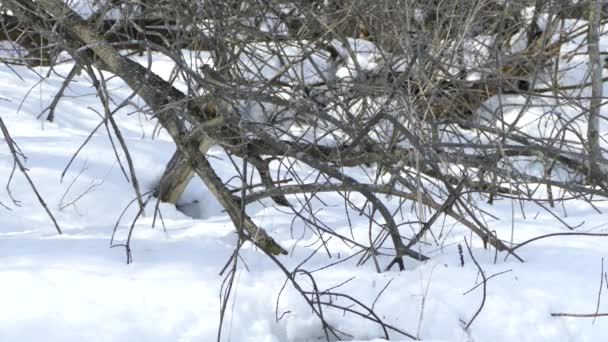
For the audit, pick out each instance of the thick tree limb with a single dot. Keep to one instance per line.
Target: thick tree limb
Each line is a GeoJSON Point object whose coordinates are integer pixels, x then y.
{"type": "Point", "coordinates": [158, 94]}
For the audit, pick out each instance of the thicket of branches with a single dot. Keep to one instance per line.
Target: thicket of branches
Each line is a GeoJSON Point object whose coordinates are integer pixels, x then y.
{"type": "Point", "coordinates": [415, 92]}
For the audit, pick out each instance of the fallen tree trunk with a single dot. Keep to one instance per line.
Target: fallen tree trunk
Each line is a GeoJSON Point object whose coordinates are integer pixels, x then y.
{"type": "Point", "coordinates": [158, 94]}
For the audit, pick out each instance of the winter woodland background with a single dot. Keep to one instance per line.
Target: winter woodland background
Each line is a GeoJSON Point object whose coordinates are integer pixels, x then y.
{"type": "Point", "coordinates": [276, 170]}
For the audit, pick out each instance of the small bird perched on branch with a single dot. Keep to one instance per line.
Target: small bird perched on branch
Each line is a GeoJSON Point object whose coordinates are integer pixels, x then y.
{"type": "Point", "coordinates": [213, 77]}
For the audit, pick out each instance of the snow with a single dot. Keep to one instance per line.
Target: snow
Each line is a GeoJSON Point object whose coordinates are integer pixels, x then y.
{"type": "Point", "coordinates": [360, 56]}
{"type": "Point", "coordinates": [74, 287]}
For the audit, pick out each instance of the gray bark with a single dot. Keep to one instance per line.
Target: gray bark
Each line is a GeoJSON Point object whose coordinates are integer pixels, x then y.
{"type": "Point", "coordinates": [178, 174]}
{"type": "Point", "coordinates": [595, 64]}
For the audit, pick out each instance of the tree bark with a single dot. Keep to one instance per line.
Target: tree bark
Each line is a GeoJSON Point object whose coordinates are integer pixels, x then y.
{"type": "Point", "coordinates": [595, 63]}
{"type": "Point", "coordinates": [178, 174]}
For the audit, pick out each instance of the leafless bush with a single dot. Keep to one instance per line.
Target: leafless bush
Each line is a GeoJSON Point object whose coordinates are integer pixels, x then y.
{"type": "Point", "coordinates": [437, 100]}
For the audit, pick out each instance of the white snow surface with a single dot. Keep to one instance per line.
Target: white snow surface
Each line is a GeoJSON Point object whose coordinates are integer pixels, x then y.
{"type": "Point", "coordinates": [74, 287]}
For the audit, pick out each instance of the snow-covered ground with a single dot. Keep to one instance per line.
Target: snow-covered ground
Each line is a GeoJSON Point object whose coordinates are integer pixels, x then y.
{"type": "Point", "coordinates": [74, 287]}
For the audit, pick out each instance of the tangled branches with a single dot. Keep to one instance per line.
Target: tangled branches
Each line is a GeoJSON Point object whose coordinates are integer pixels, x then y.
{"type": "Point", "coordinates": [443, 110]}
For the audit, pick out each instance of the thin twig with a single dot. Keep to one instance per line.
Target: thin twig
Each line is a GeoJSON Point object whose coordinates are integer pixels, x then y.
{"type": "Point", "coordinates": [599, 292]}
{"type": "Point", "coordinates": [483, 276]}
{"type": "Point", "coordinates": [11, 145]}
{"type": "Point", "coordinates": [565, 314]}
